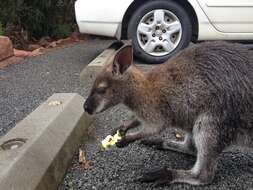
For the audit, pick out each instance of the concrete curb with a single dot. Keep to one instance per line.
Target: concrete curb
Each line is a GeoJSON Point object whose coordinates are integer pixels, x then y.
{"type": "Point", "coordinates": [88, 74]}
{"type": "Point", "coordinates": [35, 154]}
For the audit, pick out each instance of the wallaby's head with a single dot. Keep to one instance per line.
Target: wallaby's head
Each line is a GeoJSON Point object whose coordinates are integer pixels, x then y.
{"type": "Point", "coordinates": [109, 88]}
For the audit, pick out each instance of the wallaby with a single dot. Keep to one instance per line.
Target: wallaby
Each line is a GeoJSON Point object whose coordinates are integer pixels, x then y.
{"type": "Point", "coordinates": [206, 90]}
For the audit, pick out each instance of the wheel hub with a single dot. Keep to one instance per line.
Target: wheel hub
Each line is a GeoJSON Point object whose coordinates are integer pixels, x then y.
{"type": "Point", "coordinates": [159, 32]}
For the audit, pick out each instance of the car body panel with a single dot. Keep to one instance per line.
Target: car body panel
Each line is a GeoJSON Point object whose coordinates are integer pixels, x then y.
{"type": "Point", "coordinates": [105, 18]}
{"type": "Point", "coordinates": [100, 17]}
{"type": "Point", "coordinates": [233, 16]}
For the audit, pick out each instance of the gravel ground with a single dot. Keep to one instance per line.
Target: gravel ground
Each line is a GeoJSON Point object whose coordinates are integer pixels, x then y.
{"type": "Point", "coordinates": [24, 86]}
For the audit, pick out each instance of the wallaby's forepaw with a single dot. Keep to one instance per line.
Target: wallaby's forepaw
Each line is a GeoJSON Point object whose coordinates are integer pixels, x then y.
{"type": "Point", "coordinates": [122, 130]}
{"type": "Point", "coordinates": [122, 143]}
{"type": "Point", "coordinates": [156, 143]}
{"type": "Point", "coordinates": [159, 176]}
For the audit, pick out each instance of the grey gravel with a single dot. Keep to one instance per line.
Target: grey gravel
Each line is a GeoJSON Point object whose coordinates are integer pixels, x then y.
{"type": "Point", "coordinates": [24, 86]}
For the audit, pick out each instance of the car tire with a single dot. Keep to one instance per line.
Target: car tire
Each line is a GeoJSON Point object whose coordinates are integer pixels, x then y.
{"type": "Point", "coordinates": [159, 7]}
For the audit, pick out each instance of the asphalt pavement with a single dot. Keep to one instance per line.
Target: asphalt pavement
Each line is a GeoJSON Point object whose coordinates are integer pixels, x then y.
{"type": "Point", "coordinates": [24, 86]}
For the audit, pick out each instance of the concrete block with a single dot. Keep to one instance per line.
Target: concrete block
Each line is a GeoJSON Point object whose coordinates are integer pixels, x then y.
{"type": "Point", "coordinates": [35, 154]}
{"type": "Point", "coordinates": [89, 73]}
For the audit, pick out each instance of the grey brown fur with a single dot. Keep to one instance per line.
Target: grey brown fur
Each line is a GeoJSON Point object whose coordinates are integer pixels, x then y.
{"type": "Point", "coordinates": [206, 90]}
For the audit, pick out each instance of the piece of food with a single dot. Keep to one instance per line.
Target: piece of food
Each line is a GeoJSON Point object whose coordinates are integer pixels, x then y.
{"type": "Point", "coordinates": [117, 136]}
{"type": "Point", "coordinates": [111, 140]}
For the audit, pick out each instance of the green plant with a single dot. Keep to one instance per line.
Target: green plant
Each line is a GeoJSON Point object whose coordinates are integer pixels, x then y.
{"type": "Point", "coordinates": [39, 17]}
{"type": "Point", "coordinates": [1, 29]}
{"type": "Point", "coordinates": [61, 31]}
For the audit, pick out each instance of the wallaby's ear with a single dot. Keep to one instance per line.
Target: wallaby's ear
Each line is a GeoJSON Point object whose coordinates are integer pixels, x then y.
{"type": "Point", "coordinates": [123, 59]}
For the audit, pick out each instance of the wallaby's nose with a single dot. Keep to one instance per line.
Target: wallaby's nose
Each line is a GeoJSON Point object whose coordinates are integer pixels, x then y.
{"type": "Point", "coordinates": [86, 108]}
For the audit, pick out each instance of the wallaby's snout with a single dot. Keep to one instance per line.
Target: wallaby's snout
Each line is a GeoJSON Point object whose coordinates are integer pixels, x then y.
{"type": "Point", "coordinates": [95, 103]}
{"type": "Point", "coordinates": [87, 107]}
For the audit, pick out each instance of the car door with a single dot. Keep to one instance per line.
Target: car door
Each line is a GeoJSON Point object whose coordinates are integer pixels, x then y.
{"type": "Point", "coordinates": [229, 16]}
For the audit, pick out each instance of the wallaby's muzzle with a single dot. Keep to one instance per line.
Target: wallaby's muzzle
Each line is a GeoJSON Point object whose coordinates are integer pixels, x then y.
{"type": "Point", "coordinates": [87, 107]}
{"type": "Point", "coordinates": [95, 104]}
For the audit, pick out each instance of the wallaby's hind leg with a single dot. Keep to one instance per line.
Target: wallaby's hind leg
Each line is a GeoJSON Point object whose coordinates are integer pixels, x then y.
{"type": "Point", "coordinates": [209, 144]}
{"type": "Point", "coordinates": [186, 146]}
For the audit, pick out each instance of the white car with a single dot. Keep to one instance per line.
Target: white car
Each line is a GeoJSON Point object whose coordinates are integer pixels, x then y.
{"type": "Point", "coordinates": [160, 28]}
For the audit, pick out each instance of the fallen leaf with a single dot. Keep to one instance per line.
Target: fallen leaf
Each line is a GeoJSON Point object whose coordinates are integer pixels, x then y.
{"type": "Point", "coordinates": [179, 136]}
{"type": "Point", "coordinates": [82, 160]}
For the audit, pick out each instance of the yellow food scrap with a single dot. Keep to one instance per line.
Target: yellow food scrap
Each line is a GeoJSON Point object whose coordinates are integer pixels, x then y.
{"type": "Point", "coordinates": [111, 140]}
{"type": "Point", "coordinates": [117, 137]}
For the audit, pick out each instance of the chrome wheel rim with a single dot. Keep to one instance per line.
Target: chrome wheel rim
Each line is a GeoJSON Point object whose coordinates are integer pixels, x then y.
{"type": "Point", "coordinates": [159, 32]}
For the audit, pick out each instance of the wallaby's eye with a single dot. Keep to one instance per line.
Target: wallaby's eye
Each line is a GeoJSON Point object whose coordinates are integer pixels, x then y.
{"type": "Point", "coordinates": [101, 87]}
{"type": "Point", "coordinates": [101, 90]}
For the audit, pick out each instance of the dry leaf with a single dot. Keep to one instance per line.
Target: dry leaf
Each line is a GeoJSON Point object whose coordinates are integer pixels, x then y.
{"type": "Point", "coordinates": [82, 160]}
{"type": "Point", "coordinates": [179, 136]}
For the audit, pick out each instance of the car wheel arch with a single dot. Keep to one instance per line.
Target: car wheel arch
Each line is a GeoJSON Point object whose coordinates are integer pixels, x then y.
{"type": "Point", "coordinates": [137, 3]}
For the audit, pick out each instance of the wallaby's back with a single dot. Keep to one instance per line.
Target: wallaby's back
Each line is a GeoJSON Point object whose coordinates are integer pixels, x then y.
{"type": "Point", "coordinates": [213, 77]}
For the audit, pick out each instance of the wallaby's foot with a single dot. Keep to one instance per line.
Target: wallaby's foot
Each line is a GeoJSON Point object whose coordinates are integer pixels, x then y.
{"type": "Point", "coordinates": [123, 142]}
{"type": "Point", "coordinates": [185, 146]}
{"type": "Point", "coordinates": [159, 176]}
{"type": "Point", "coordinates": [122, 130]}
{"type": "Point", "coordinates": [125, 127]}
{"type": "Point", "coordinates": [168, 176]}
